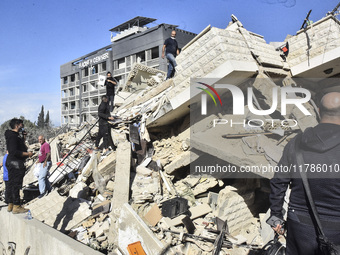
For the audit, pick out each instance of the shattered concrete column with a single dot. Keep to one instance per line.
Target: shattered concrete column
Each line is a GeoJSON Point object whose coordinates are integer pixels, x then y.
{"type": "Point", "coordinates": [121, 186]}
{"type": "Point", "coordinates": [122, 178]}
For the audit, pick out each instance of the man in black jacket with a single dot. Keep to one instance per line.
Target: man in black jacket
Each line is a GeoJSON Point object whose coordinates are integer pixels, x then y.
{"type": "Point", "coordinates": [320, 147]}
{"type": "Point", "coordinates": [17, 153]}
{"type": "Point", "coordinates": [110, 89]}
{"type": "Point", "coordinates": [104, 116]}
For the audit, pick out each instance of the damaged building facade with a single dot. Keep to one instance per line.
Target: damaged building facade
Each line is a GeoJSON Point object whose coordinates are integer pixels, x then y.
{"type": "Point", "coordinates": [131, 42]}
{"type": "Point", "coordinates": [147, 195]}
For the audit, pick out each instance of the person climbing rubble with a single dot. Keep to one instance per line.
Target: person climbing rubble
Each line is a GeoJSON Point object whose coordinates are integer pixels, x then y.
{"type": "Point", "coordinates": [170, 50]}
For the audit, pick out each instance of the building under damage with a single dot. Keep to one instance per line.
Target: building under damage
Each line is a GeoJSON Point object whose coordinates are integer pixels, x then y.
{"type": "Point", "coordinates": [147, 194]}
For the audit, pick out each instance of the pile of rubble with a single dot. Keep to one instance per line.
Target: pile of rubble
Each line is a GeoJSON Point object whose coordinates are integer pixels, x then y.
{"type": "Point", "coordinates": [143, 194]}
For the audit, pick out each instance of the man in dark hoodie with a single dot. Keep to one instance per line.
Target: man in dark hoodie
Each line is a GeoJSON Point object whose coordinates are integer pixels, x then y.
{"type": "Point", "coordinates": [320, 147]}
{"type": "Point", "coordinates": [104, 116]}
{"type": "Point", "coordinates": [110, 90]}
{"type": "Point", "coordinates": [17, 153]}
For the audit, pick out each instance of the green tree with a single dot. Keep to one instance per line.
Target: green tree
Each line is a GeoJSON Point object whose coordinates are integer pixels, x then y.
{"type": "Point", "coordinates": [41, 121]}
{"type": "Point", "coordinates": [47, 120]}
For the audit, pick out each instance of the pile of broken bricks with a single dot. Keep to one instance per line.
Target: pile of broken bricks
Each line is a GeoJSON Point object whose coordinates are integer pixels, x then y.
{"type": "Point", "coordinates": [143, 203]}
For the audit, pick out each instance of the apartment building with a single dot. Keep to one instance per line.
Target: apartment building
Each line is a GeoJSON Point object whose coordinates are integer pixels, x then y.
{"type": "Point", "coordinates": [131, 42]}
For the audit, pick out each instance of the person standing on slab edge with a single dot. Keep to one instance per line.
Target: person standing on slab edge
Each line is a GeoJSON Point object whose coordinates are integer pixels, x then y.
{"type": "Point", "coordinates": [104, 116]}
{"type": "Point", "coordinates": [44, 159]}
{"type": "Point", "coordinates": [170, 50]}
{"type": "Point", "coordinates": [17, 153]}
{"type": "Point", "coordinates": [110, 90]}
{"type": "Point", "coordinates": [320, 147]}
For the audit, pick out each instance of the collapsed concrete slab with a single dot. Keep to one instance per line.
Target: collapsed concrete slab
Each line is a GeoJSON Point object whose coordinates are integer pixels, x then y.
{"type": "Point", "coordinates": [132, 229]}
{"type": "Point", "coordinates": [25, 234]}
{"type": "Point", "coordinates": [315, 49]}
{"type": "Point", "coordinates": [60, 212]}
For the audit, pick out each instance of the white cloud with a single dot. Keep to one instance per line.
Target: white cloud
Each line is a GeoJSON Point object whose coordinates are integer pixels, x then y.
{"type": "Point", "coordinates": [29, 106]}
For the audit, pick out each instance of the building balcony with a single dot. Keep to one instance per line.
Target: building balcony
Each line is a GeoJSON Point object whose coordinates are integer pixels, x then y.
{"type": "Point", "coordinates": [84, 79]}
{"type": "Point", "coordinates": [93, 108]}
{"type": "Point", "coordinates": [85, 94]}
{"type": "Point", "coordinates": [93, 93]}
{"type": "Point", "coordinates": [64, 112]}
{"type": "Point", "coordinates": [71, 98]}
{"type": "Point", "coordinates": [118, 71]}
{"type": "Point", "coordinates": [93, 77]}
{"type": "Point", "coordinates": [71, 112]}
{"type": "Point", "coordinates": [77, 97]}
{"type": "Point", "coordinates": [64, 86]}
{"type": "Point", "coordinates": [102, 91]}
{"type": "Point", "coordinates": [85, 109]}
{"type": "Point", "coordinates": [65, 99]}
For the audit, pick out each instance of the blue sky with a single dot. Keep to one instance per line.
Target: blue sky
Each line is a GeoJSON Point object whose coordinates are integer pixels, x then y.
{"type": "Point", "coordinates": [36, 37]}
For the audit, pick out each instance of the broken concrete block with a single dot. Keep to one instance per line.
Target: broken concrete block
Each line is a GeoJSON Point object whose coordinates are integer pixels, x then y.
{"type": "Point", "coordinates": [60, 212]}
{"type": "Point", "coordinates": [154, 215]}
{"type": "Point", "coordinates": [103, 207]}
{"type": "Point", "coordinates": [99, 180]}
{"type": "Point", "coordinates": [103, 227]}
{"type": "Point", "coordinates": [108, 166]}
{"type": "Point", "coordinates": [143, 170]}
{"type": "Point", "coordinates": [89, 223]}
{"type": "Point", "coordinates": [80, 190]}
{"type": "Point", "coordinates": [195, 212]}
{"type": "Point", "coordinates": [184, 159]}
{"type": "Point", "coordinates": [233, 206]}
{"type": "Point", "coordinates": [92, 230]}
{"type": "Point", "coordinates": [87, 170]}
{"type": "Point", "coordinates": [110, 186]}
{"type": "Point", "coordinates": [133, 229]}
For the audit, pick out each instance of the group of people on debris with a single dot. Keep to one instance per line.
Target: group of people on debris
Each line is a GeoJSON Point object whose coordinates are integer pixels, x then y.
{"type": "Point", "coordinates": [14, 168]}
{"type": "Point", "coordinates": [170, 50]}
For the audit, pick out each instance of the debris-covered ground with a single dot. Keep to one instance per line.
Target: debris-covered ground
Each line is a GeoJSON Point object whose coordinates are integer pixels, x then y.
{"type": "Point", "coordinates": [141, 194]}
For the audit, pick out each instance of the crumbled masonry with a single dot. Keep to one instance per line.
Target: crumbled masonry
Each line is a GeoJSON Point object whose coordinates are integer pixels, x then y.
{"type": "Point", "coordinates": [113, 200]}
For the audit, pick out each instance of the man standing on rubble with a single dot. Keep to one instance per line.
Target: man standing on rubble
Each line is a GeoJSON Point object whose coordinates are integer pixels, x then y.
{"type": "Point", "coordinates": [104, 116]}
{"type": "Point", "coordinates": [44, 159]}
{"type": "Point", "coordinates": [110, 89]}
{"type": "Point", "coordinates": [170, 50]}
{"type": "Point", "coordinates": [320, 146]}
{"type": "Point", "coordinates": [17, 153]}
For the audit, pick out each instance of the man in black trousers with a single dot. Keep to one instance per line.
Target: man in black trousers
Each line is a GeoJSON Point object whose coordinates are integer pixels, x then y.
{"type": "Point", "coordinates": [17, 153]}
{"type": "Point", "coordinates": [110, 90]}
{"type": "Point", "coordinates": [320, 146]}
{"type": "Point", "coordinates": [104, 116]}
